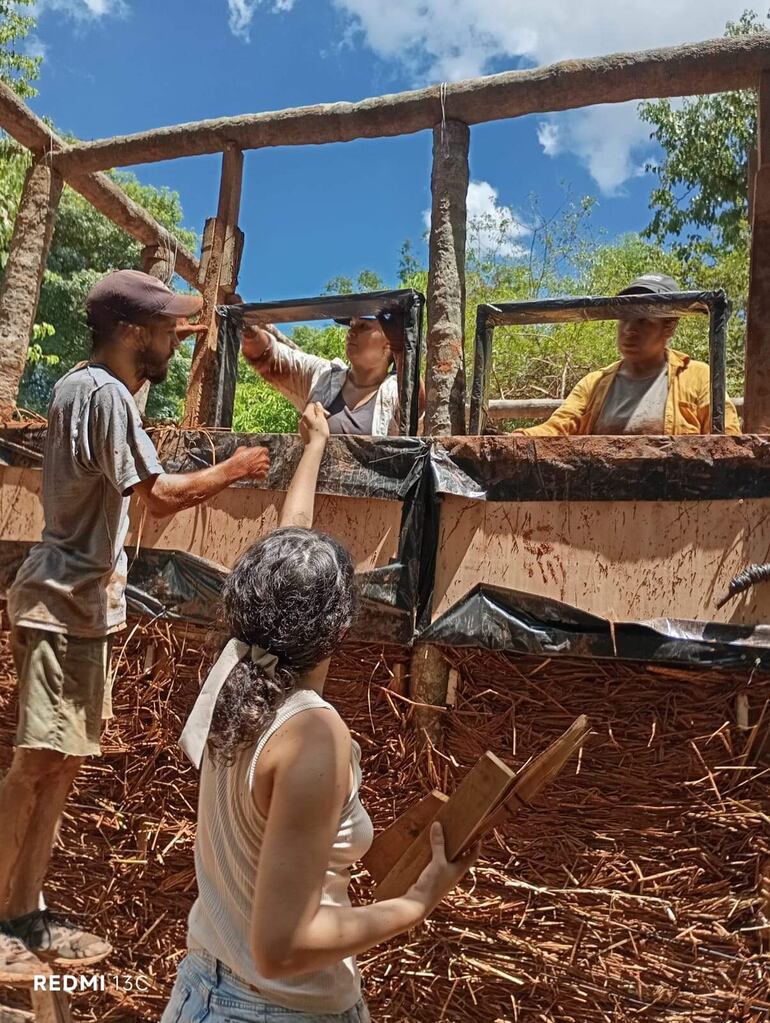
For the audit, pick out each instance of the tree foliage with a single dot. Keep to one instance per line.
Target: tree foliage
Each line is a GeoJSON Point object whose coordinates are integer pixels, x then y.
{"type": "Point", "coordinates": [17, 68]}
{"type": "Point", "coordinates": [701, 200]}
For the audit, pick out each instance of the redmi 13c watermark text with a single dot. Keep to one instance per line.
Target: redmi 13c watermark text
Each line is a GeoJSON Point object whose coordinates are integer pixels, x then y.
{"type": "Point", "coordinates": [70, 983]}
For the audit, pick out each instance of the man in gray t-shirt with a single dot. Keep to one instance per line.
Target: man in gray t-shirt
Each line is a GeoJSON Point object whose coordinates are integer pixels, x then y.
{"type": "Point", "coordinates": [68, 598]}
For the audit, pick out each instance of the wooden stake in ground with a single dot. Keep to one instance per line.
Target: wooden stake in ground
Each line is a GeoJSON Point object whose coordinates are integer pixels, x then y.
{"type": "Point", "coordinates": [23, 275]}
{"type": "Point", "coordinates": [220, 263]}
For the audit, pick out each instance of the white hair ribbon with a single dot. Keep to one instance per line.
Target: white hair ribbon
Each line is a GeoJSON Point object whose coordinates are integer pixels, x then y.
{"type": "Point", "coordinates": [198, 725]}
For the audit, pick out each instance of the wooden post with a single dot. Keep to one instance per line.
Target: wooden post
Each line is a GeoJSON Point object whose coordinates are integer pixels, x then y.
{"type": "Point", "coordinates": [445, 369]}
{"type": "Point", "coordinates": [756, 411]}
{"type": "Point", "coordinates": [158, 261]}
{"type": "Point", "coordinates": [20, 290]}
{"type": "Point", "coordinates": [220, 263]}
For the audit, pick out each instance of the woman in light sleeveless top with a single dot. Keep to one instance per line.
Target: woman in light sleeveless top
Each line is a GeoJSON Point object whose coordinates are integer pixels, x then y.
{"type": "Point", "coordinates": [272, 935]}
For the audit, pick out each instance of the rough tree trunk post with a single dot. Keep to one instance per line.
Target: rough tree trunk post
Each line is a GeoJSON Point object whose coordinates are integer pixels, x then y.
{"type": "Point", "coordinates": [158, 261]}
{"type": "Point", "coordinates": [445, 371]}
{"type": "Point", "coordinates": [220, 262]}
{"type": "Point", "coordinates": [756, 410]}
{"type": "Point", "coordinates": [20, 289]}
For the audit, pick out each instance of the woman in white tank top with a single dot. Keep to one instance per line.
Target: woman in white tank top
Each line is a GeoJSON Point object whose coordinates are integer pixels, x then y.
{"type": "Point", "coordinates": [272, 935]}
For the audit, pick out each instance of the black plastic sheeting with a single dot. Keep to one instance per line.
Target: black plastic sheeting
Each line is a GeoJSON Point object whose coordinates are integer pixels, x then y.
{"type": "Point", "coordinates": [397, 598]}
{"type": "Point", "coordinates": [508, 620]}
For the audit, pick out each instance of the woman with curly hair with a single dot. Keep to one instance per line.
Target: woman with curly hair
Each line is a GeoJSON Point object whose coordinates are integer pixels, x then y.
{"type": "Point", "coordinates": [272, 935]}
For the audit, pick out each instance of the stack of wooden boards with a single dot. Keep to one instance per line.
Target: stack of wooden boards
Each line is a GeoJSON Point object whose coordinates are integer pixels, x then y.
{"type": "Point", "coordinates": [487, 796]}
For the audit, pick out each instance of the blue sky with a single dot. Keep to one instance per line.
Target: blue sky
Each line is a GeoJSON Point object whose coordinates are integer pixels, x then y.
{"type": "Point", "coordinates": [313, 213]}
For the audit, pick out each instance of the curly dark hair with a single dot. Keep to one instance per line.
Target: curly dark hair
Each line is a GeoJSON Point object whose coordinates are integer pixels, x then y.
{"type": "Point", "coordinates": [293, 594]}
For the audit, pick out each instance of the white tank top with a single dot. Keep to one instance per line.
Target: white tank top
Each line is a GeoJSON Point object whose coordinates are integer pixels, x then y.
{"type": "Point", "coordinates": [227, 847]}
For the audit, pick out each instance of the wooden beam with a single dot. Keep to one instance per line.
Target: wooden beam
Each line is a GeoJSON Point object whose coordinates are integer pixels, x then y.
{"type": "Point", "coordinates": [103, 194]}
{"type": "Point", "coordinates": [23, 275]}
{"type": "Point", "coordinates": [756, 413]}
{"type": "Point", "coordinates": [222, 244]}
{"type": "Point", "coordinates": [445, 363]}
{"type": "Point", "coordinates": [541, 409]}
{"type": "Point", "coordinates": [716, 65]}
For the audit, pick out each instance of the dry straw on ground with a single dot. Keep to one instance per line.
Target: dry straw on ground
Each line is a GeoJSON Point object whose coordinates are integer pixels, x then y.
{"type": "Point", "coordinates": [629, 893]}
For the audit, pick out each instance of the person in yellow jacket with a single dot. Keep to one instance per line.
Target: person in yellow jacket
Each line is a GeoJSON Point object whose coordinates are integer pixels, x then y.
{"type": "Point", "coordinates": [653, 389]}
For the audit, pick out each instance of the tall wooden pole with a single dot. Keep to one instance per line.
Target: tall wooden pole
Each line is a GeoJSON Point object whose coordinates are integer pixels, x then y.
{"type": "Point", "coordinates": [756, 410]}
{"type": "Point", "coordinates": [445, 370]}
{"type": "Point", "coordinates": [23, 276]}
{"type": "Point", "coordinates": [220, 263]}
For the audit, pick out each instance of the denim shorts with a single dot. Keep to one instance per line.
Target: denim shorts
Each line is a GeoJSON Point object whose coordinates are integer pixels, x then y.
{"type": "Point", "coordinates": [205, 991]}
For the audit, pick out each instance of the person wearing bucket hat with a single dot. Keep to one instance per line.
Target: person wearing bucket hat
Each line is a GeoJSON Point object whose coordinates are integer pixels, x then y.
{"type": "Point", "coordinates": [68, 598]}
{"type": "Point", "coordinates": [360, 398]}
{"type": "Point", "coordinates": [652, 389]}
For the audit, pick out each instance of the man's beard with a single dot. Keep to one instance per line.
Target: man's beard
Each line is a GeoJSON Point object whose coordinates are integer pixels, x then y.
{"type": "Point", "coordinates": [153, 369]}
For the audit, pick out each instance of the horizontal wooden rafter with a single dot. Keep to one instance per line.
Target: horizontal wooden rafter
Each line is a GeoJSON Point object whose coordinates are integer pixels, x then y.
{"type": "Point", "coordinates": [716, 65]}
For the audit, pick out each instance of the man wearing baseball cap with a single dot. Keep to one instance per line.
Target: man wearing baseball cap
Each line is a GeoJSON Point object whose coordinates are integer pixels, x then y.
{"type": "Point", "coordinates": [68, 598]}
{"type": "Point", "coordinates": [653, 389]}
{"type": "Point", "coordinates": [361, 398]}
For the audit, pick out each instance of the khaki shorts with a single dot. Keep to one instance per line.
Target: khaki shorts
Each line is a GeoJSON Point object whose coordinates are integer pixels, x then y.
{"type": "Point", "coordinates": [65, 690]}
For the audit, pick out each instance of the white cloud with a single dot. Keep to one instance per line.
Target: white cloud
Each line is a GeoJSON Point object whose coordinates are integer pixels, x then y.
{"type": "Point", "coordinates": [83, 9]}
{"type": "Point", "coordinates": [493, 229]}
{"type": "Point", "coordinates": [35, 47]}
{"type": "Point", "coordinates": [446, 40]}
{"type": "Point", "coordinates": [609, 140]}
{"type": "Point", "coordinates": [241, 13]}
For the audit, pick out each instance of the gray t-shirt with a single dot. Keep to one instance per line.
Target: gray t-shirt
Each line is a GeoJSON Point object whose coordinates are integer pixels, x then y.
{"type": "Point", "coordinates": [635, 404]}
{"type": "Point", "coordinates": [96, 450]}
{"type": "Point", "coordinates": [357, 421]}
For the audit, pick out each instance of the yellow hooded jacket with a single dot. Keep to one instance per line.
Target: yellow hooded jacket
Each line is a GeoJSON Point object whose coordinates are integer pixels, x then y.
{"type": "Point", "coordinates": [688, 406]}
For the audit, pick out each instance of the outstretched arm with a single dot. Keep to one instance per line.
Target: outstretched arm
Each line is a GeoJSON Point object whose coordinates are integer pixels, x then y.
{"type": "Point", "coordinates": [168, 493]}
{"type": "Point", "coordinates": [300, 497]}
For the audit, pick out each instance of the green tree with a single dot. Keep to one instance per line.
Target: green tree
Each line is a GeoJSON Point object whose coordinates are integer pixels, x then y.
{"type": "Point", "coordinates": [17, 68]}
{"type": "Point", "coordinates": [701, 201]}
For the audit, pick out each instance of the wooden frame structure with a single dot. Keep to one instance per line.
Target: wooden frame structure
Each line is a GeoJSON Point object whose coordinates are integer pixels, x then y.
{"type": "Point", "coordinates": [448, 110]}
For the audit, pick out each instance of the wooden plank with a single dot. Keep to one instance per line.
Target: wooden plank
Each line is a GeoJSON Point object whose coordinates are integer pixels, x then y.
{"type": "Point", "coordinates": [220, 268]}
{"type": "Point", "coordinates": [623, 560]}
{"type": "Point", "coordinates": [101, 191]}
{"type": "Point", "coordinates": [756, 414]}
{"type": "Point", "coordinates": [716, 65]}
{"type": "Point", "coordinates": [23, 275]}
{"type": "Point", "coordinates": [539, 773]}
{"type": "Point", "coordinates": [391, 844]}
{"type": "Point", "coordinates": [475, 797]}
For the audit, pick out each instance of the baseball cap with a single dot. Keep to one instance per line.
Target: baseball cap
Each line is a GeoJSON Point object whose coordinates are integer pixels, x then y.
{"type": "Point", "coordinates": [651, 284]}
{"type": "Point", "coordinates": [391, 324]}
{"type": "Point", "coordinates": [132, 296]}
